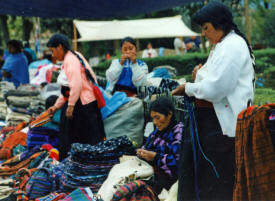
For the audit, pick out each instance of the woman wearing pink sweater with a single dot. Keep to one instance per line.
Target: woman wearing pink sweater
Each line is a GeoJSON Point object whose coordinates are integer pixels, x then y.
{"type": "Point", "coordinates": [81, 120]}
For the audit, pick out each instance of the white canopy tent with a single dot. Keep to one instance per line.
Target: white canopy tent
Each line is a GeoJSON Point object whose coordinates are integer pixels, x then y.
{"type": "Point", "coordinates": [141, 28]}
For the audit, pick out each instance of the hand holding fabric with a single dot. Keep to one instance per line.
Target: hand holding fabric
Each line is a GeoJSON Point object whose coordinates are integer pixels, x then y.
{"type": "Point", "coordinates": [180, 90]}
{"type": "Point", "coordinates": [147, 155]}
{"type": "Point", "coordinates": [52, 110]}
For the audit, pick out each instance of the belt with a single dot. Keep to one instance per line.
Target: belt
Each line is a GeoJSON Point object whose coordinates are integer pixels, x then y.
{"type": "Point", "coordinates": [203, 103]}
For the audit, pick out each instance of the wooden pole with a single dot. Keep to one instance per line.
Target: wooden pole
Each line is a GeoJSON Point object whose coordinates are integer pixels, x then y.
{"type": "Point", "coordinates": [75, 38]}
{"type": "Point", "coordinates": [247, 25]}
{"type": "Point", "coordinates": [138, 44]}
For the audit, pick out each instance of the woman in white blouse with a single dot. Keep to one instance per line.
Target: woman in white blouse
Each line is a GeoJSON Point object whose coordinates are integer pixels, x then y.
{"type": "Point", "coordinates": [128, 72]}
{"type": "Point", "coordinates": [222, 88]}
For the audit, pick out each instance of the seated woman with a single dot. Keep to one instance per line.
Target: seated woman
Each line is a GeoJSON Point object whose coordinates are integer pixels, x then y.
{"type": "Point", "coordinates": [15, 67]}
{"type": "Point", "coordinates": [127, 73]}
{"type": "Point", "coordinates": [162, 148]}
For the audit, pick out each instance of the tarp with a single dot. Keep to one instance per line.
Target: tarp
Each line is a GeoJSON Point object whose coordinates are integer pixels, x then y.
{"type": "Point", "coordinates": [141, 28]}
{"type": "Point", "coordinates": [85, 9]}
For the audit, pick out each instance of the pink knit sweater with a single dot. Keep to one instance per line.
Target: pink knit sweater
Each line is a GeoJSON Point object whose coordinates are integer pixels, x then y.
{"type": "Point", "coordinates": [80, 86]}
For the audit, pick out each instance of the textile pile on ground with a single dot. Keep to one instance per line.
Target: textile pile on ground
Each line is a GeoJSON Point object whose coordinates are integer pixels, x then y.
{"type": "Point", "coordinates": [88, 166]}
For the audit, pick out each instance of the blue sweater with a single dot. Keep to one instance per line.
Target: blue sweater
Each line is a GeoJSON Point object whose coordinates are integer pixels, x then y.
{"type": "Point", "coordinates": [167, 146]}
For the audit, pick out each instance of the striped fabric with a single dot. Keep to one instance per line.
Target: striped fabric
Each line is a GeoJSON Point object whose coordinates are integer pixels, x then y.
{"type": "Point", "coordinates": [79, 194]}
{"type": "Point", "coordinates": [44, 118]}
{"type": "Point", "coordinates": [52, 197]}
{"type": "Point", "coordinates": [134, 191]}
{"type": "Point", "coordinates": [255, 156]}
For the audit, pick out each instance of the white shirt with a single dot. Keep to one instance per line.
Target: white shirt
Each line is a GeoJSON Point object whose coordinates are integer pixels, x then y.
{"type": "Point", "coordinates": [226, 81]}
{"type": "Point", "coordinates": [178, 44]}
{"type": "Point", "coordinates": [149, 53]}
{"type": "Point", "coordinates": [62, 78]}
{"type": "Point", "coordinates": [139, 70]}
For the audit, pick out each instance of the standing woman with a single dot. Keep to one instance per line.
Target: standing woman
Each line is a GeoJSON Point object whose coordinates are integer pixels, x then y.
{"type": "Point", "coordinates": [127, 73]}
{"type": "Point", "coordinates": [223, 88]}
{"type": "Point", "coordinates": [81, 120]}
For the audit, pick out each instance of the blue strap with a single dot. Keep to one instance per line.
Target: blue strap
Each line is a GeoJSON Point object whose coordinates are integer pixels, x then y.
{"type": "Point", "coordinates": [195, 141]}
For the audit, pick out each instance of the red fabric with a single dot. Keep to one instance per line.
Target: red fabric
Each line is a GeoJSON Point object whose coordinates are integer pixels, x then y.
{"type": "Point", "coordinates": [99, 97]}
{"type": "Point", "coordinates": [11, 141]}
{"type": "Point", "coordinates": [47, 147]}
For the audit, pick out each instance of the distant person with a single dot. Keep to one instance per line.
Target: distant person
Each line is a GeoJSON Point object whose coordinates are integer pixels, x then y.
{"type": "Point", "coordinates": [179, 46]}
{"type": "Point", "coordinates": [192, 44]}
{"type": "Point", "coordinates": [15, 68]}
{"type": "Point", "coordinates": [108, 56]}
{"type": "Point", "coordinates": [1, 61]}
{"type": "Point", "coordinates": [149, 52]}
{"type": "Point", "coordinates": [194, 40]}
{"type": "Point", "coordinates": [27, 48]}
{"type": "Point", "coordinates": [127, 73]}
{"type": "Point", "coordinates": [28, 55]}
{"type": "Point", "coordinates": [46, 59]}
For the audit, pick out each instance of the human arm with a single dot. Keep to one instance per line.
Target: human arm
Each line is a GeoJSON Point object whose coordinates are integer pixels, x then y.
{"type": "Point", "coordinates": [147, 155]}
{"type": "Point", "coordinates": [166, 155]}
{"type": "Point", "coordinates": [113, 73]}
{"type": "Point", "coordinates": [6, 74]}
{"type": "Point", "coordinates": [139, 70]}
{"type": "Point", "coordinates": [223, 70]}
{"type": "Point", "coordinates": [72, 68]}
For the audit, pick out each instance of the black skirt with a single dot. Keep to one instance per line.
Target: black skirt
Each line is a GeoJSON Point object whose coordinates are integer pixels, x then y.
{"type": "Point", "coordinates": [220, 149]}
{"type": "Point", "coordinates": [86, 127]}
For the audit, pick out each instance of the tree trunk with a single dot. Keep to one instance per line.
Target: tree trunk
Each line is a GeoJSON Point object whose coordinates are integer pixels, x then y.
{"type": "Point", "coordinates": [4, 28]}
{"type": "Point", "coordinates": [27, 28]}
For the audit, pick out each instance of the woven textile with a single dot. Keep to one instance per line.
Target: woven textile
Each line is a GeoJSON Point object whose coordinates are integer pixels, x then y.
{"type": "Point", "coordinates": [44, 118]}
{"type": "Point", "coordinates": [255, 156]}
{"type": "Point", "coordinates": [79, 194]}
{"type": "Point", "coordinates": [137, 190]}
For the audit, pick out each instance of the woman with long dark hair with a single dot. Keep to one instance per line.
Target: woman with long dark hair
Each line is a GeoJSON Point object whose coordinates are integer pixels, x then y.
{"type": "Point", "coordinates": [81, 120]}
{"type": "Point", "coordinates": [222, 88]}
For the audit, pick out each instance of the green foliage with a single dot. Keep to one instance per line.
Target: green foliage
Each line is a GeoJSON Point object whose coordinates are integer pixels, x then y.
{"type": "Point", "coordinates": [15, 27]}
{"type": "Point", "coordinates": [264, 95]}
{"type": "Point", "coordinates": [269, 77]}
{"type": "Point", "coordinates": [264, 59]}
{"type": "Point", "coordinates": [64, 26]}
{"type": "Point", "coordinates": [264, 27]}
{"type": "Point", "coordinates": [185, 64]}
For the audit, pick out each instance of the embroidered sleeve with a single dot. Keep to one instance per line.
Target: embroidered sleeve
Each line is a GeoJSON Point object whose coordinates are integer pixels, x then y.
{"type": "Point", "coordinates": [140, 70]}
{"type": "Point", "coordinates": [113, 73]}
{"type": "Point", "coordinates": [170, 152]}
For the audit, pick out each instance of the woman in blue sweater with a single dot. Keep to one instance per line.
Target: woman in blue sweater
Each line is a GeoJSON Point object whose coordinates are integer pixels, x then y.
{"type": "Point", "coordinates": [162, 148]}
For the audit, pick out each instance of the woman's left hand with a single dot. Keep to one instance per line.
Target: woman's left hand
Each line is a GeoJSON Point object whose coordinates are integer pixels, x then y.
{"type": "Point", "coordinates": [180, 90]}
{"type": "Point", "coordinates": [147, 155]}
{"type": "Point", "coordinates": [69, 111]}
{"type": "Point", "coordinates": [133, 57]}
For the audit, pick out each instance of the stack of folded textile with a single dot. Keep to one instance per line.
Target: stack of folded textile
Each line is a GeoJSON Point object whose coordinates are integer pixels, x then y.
{"type": "Point", "coordinates": [88, 166]}
{"type": "Point", "coordinates": [20, 102]}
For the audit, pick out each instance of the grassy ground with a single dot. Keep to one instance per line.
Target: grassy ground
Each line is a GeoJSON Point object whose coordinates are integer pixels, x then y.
{"type": "Point", "coordinates": [264, 95]}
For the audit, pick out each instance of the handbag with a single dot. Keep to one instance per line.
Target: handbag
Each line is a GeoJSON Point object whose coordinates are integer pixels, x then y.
{"type": "Point", "coordinates": [98, 95]}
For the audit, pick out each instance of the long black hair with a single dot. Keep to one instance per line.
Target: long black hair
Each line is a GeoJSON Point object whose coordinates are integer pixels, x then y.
{"type": "Point", "coordinates": [220, 17]}
{"type": "Point", "coordinates": [58, 39]}
{"type": "Point", "coordinates": [163, 105]}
